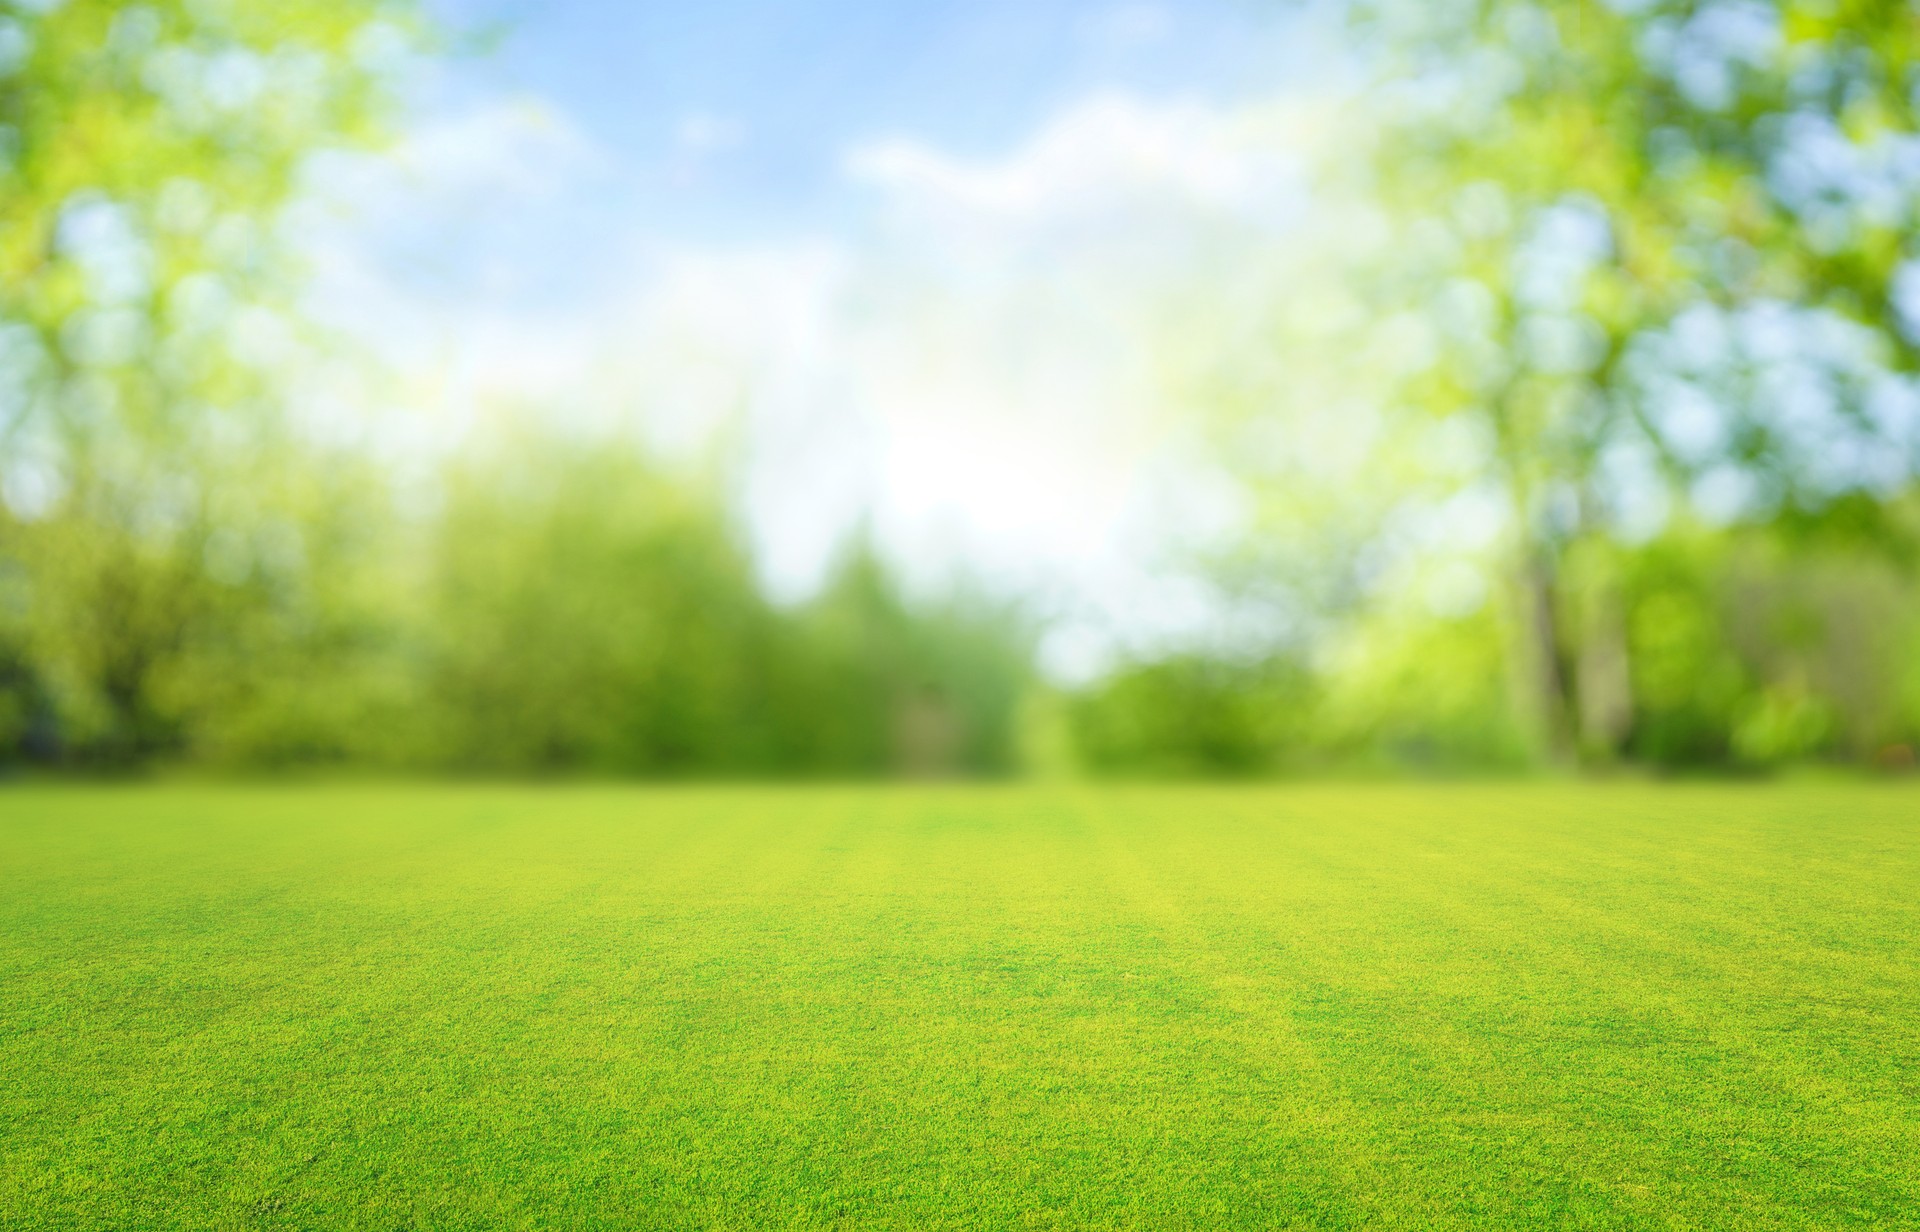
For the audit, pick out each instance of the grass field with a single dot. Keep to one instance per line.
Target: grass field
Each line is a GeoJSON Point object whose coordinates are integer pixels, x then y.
{"type": "Point", "coordinates": [1327, 1007]}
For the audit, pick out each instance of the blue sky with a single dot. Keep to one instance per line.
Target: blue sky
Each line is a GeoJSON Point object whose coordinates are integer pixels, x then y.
{"type": "Point", "coordinates": [729, 116]}
{"type": "Point", "coordinates": [916, 258]}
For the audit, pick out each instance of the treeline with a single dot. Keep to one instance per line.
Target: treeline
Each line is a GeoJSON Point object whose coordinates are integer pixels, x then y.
{"type": "Point", "coordinates": [551, 609]}
{"type": "Point", "coordinates": [1718, 650]}
{"type": "Point", "coordinates": [562, 609]}
{"type": "Point", "coordinates": [1597, 283]}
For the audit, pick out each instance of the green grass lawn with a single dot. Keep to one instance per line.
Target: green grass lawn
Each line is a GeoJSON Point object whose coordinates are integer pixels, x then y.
{"type": "Point", "coordinates": [1327, 1007]}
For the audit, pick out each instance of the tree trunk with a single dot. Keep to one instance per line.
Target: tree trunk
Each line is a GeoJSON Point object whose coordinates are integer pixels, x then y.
{"type": "Point", "coordinates": [1603, 679]}
{"type": "Point", "coordinates": [1546, 666]}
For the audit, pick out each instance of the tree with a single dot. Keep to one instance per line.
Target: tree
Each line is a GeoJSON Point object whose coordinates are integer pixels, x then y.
{"type": "Point", "coordinates": [144, 152]}
{"type": "Point", "coordinates": [1647, 254]}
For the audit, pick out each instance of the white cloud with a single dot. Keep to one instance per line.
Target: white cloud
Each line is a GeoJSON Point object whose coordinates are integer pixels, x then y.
{"type": "Point", "coordinates": [983, 375]}
{"type": "Point", "coordinates": [1102, 153]}
{"type": "Point", "coordinates": [512, 148]}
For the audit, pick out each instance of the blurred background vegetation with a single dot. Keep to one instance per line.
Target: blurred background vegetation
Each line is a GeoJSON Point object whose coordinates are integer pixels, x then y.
{"type": "Point", "coordinates": [1596, 446]}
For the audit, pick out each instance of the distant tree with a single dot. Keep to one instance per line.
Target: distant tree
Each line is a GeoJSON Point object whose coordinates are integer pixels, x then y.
{"type": "Point", "coordinates": [920, 686]}
{"type": "Point", "coordinates": [1193, 715]}
{"type": "Point", "coordinates": [586, 610]}
{"type": "Point", "coordinates": [569, 607]}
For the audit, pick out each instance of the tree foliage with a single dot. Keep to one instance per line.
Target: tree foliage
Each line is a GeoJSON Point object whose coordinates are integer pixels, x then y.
{"type": "Point", "coordinates": [1640, 277]}
{"type": "Point", "coordinates": [144, 151]}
